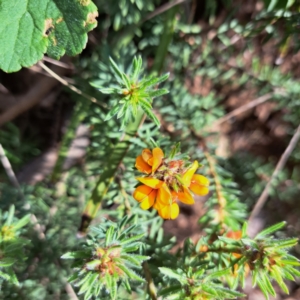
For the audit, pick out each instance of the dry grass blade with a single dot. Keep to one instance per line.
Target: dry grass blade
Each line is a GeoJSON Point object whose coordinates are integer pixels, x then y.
{"type": "Point", "coordinates": [162, 9]}
{"type": "Point", "coordinates": [280, 165]}
{"type": "Point", "coordinates": [242, 109]}
{"type": "Point", "coordinates": [70, 86]}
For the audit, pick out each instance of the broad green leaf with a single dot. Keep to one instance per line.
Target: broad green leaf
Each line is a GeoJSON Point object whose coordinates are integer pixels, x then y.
{"type": "Point", "coordinates": [31, 28]}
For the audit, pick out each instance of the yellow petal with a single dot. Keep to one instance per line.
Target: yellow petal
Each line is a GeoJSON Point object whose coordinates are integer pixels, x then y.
{"type": "Point", "coordinates": [142, 192]}
{"type": "Point", "coordinates": [185, 197]}
{"type": "Point", "coordinates": [158, 156]}
{"type": "Point", "coordinates": [169, 211]}
{"type": "Point", "coordinates": [147, 155]}
{"type": "Point", "coordinates": [149, 201]}
{"type": "Point", "coordinates": [187, 176]}
{"type": "Point", "coordinates": [142, 166]}
{"type": "Point", "coordinates": [199, 185]}
{"type": "Point", "coordinates": [164, 195]}
{"type": "Point", "coordinates": [151, 182]}
{"type": "Point", "coordinates": [200, 179]}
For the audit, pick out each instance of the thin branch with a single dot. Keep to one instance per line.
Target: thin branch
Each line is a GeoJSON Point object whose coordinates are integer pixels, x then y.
{"type": "Point", "coordinates": [29, 100]}
{"type": "Point", "coordinates": [221, 199]}
{"type": "Point", "coordinates": [69, 289]}
{"type": "Point", "coordinates": [57, 63]}
{"type": "Point", "coordinates": [36, 69]}
{"type": "Point", "coordinates": [70, 86]}
{"type": "Point", "coordinates": [280, 165]}
{"type": "Point", "coordinates": [8, 169]}
{"type": "Point", "coordinates": [162, 9]}
{"type": "Point", "coordinates": [243, 108]}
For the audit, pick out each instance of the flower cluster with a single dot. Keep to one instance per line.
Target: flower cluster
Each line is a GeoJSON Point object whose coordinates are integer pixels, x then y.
{"type": "Point", "coordinates": [167, 180]}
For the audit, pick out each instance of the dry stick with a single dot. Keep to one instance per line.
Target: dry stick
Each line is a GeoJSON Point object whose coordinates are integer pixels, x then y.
{"type": "Point", "coordinates": [243, 108]}
{"type": "Point", "coordinates": [36, 69]}
{"type": "Point", "coordinates": [70, 86]}
{"type": "Point", "coordinates": [12, 177]}
{"type": "Point", "coordinates": [8, 169]}
{"type": "Point", "coordinates": [32, 98]}
{"type": "Point", "coordinates": [162, 9]}
{"type": "Point", "coordinates": [283, 159]}
{"type": "Point", "coordinates": [57, 63]}
{"type": "Point", "coordinates": [69, 289]}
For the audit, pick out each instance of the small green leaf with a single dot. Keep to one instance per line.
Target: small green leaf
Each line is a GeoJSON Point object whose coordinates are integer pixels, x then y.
{"type": "Point", "coordinates": [75, 254]}
{"type": "Point", "coordinates": [144, 102]}
{"type": "Point", "coordinates": [154, 80]}
{"type": "Point", "coordinates": [126, 81]}
{"type": "Point", "coordinates": [151, 115]}
{"type": "Point", "coordinates": [108, 91]}
{"type": "Point", "coordinates": [92, 265]}
{"type": "Point", "coordinates": [157, 93]}
{"type": "Point", "coordinates": [22, 222]}
{"type": "Point", "coordinates": [270, 230]}
{"type": "Point", "coordinates": [117, 71]}
{"type": "Point", "coordinates": [137, 66]}
{"type": "Point", "coordinates": [131, 274]}
{"type": "Point", "coordinates": [172, 274]}
{"type": "Point", "coordinates": [132, 239]}
{"type": "Point", "coordinates": [109, 235]}
{"type": "Point", "coordinates": [6, 262]}
{"type": "Point", "coordinates": [112, 112]}
{"type": "Point", "coordinates": [10, 216]}
{"type": "Point", "coordinates": [122, 110]}
{"type": "Point", "coordinates": [276, 274]}
{"type": "Point", "coordinates": [217, 274]}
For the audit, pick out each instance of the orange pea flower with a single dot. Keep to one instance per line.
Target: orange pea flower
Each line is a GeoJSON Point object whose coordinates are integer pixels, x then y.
{"type": "Point", "coordinates": [149, 161]}
{"type": "Point", "coordinates": [166, 182]}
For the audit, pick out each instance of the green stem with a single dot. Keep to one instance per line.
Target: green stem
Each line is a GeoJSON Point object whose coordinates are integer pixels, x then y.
{"type": "Point", "coordinates": [94, 202]}
{"type": "Point", "coordinates": [165, 40]}
{"type": "Point", "coordinates": [151, 286]}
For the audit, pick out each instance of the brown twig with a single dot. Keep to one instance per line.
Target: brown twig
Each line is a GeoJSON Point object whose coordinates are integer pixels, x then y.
{"type": "Point", "coordinates": [72, 295]}
{"type": "Point", "coordinates": [221, 199]}
{"type": "Point", "coordinates": [243, 108]}
{"type": "Point", "coordinates": [70, 86]}
{"type": "Point", "coordinates": [38, 70]}
{"type": "Point", "coordinates": [8, 169]}
{"type": "Point", "coordinates": [162, 9]}
{"type": "Point", "coordinates": [29, 100]}
{"type": "Point", "coordinates": [57, 63]}
{"type": "Point", "coordinates": [280, 165]}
